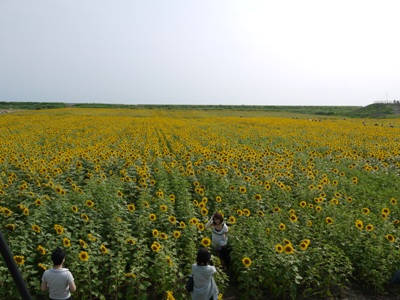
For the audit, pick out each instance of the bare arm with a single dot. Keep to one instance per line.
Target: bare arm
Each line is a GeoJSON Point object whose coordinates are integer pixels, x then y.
{"type": "Point", "coordinates": [43, 286]}
{"type": "Point", "coordinates": [72, 286]}
{"type": "Point", "coordinates": [209, 223]}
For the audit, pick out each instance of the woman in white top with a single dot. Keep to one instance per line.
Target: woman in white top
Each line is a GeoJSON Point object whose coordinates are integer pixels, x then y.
{"type": "Point", "coordinates": [205, 287]}
{"type": "Point", "coordinates": [219, 237]}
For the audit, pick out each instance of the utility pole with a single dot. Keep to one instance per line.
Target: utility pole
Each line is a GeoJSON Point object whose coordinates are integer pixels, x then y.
{"type": "Point", "coordinates": [13, 268]}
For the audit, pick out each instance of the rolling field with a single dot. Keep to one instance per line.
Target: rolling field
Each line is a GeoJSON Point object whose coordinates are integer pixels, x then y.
{"type": "Point", "coordinates": [311, 202]}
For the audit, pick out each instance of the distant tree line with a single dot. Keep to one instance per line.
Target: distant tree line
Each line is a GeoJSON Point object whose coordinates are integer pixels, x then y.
{"type": "Point", "coordinates": [302, 109]}
{"type": "Point", "coordinates": [30, 105]}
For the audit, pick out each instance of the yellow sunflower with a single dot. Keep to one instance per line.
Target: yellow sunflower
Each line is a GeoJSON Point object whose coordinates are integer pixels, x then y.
{"type": "Point", "coordinates": [130, 241]}
{"type": "Point", "coordinates": [10, 226]}
{"type": "Point", "coordinates": [232, 220]}
{"type": "Point", "coordinates": [288, 249]}
{"type": "Point", "coordinates": [91, 237]}
{"type": "Point", "coordinates": [89, 203]}
{"type": "Point", "coordinates": [169, 260]}
{"type": "Point", "coordinates": [83, 256]}
{"type": "Point", "coordinates": [20, 260]}
{"type": "Point", "coordinates": [329, 220]}
{"type": "Point", "coordinates": [172, 198]}
{"type": "Point", "coordinates": [7, 211]}
{"type": "Point", "coordinates": [41, 250]}
{"type": "Point", "coordinates": [246, 262]}
{"type": "Point", "coordinates": [66, 242]}
{"type": "Point", "coordinates": [193, 221]}
{"type": "Point", "coordinates": [334, 201]}
{"type": "Point", "coordinates": [155, 247]}
{"type": "Point", "coordinates": [82, 243]}
{"type": "Point", "coordinates": [257, 197]}
{"type": "Point", "coordinates": [36, 228]}
{"type": "Point", "coordinates": [303, 246]}
{"type": "Point", "coordinates": [85, 217]}
{"type": "Point", "coordinates": [204, 211]}
{"type": "Point", "coordinates": [359, 224]}
{"type": "Point", "coordinates": [279, 248]}
{"type": "Point", "coordinates": [206, 242]}
{"type": "Point", "coordinates": [103, 249]}
{"type": "Point", "coordinates": [390, 238]}
{"type": "Point", "coordinates": [369, 227]}
{"type": "Point", "coordinates": [365, 211]}
{"type": "Point", "coordinates": [59, 229]}
{"type": "Point", "coordinates": [131, 207]}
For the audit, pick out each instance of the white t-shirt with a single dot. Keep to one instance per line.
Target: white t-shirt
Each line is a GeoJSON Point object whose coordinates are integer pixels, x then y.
{"type": "Point", "coordinates": [58, 281]}
{"type": "Point", "coordinates": [204, 283]}
{"type": "Point", "coordinates": [220, 236]}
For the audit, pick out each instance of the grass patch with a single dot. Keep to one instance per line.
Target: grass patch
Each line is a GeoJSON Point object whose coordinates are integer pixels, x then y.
{"type": "Point", "coordinates": [377, 110]}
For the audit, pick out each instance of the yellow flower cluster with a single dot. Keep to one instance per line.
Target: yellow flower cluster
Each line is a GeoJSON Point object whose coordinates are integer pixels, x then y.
{"type": "Point", "coordinates": [147, 181]}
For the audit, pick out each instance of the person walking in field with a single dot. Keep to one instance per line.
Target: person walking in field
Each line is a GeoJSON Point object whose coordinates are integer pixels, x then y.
{"type": "Point", "coordinates": [58, 280]}
{"type": "Point", "coordinates": [203, 272]}
{"type": "Point", "coordinates": [219, 239]}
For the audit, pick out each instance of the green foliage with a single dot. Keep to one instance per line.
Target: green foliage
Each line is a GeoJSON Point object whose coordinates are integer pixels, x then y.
{"type": "Point", "coordinates": [377, 110]}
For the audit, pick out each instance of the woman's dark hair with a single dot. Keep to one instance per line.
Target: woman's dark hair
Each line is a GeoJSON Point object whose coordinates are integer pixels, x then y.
{"type": "Point", "coordinates": [203, 257]}
{"type": "Point", "coordinates": [218, 216]}
{"type": "Point", "coordinates": [57, 256]}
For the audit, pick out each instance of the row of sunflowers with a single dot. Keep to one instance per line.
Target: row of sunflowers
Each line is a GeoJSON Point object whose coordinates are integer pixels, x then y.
{"type": "Point", "coordinates": [309, 205]}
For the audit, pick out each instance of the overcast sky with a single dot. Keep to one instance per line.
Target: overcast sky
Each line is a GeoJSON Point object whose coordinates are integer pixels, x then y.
{"type": "Point", "coordinates": [233, 52]}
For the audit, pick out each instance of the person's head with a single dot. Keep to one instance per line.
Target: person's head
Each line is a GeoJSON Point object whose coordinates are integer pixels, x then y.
{"type": "Point", "coordinates": [203, 257]}
{"type": "Point", "coordinates": [58, 256]}
{"type": "Point", "coordinates": [218, 218]}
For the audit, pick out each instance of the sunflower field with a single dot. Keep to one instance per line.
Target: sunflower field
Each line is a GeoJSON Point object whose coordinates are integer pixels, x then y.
{"type": "Point", "coordinates": [310, 204]}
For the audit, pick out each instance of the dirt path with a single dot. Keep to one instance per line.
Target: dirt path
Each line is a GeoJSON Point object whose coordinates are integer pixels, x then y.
{"type": "Point", "coordinates": [355, 292]}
